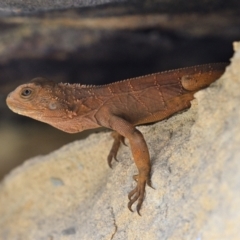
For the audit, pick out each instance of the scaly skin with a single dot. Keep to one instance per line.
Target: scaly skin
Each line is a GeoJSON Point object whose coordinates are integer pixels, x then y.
{"type": "Point", "coordinates": [119, 106]}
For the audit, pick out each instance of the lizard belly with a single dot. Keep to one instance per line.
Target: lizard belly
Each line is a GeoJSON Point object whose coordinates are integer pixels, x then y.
{"type": "Point", "coordinates": [75, 125]}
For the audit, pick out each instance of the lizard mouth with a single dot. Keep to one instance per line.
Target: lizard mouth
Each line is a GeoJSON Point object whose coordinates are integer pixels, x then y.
{"type": "Point", "coordinates": [17, 106]}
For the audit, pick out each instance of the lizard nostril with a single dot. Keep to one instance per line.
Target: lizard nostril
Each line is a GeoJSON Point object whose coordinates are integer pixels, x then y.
{"type": "Point", "coordinates": [9, 96]}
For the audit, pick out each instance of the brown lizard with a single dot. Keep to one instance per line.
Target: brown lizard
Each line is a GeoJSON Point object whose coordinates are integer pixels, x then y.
{"type": "Point", "coordinates": [119, 106]}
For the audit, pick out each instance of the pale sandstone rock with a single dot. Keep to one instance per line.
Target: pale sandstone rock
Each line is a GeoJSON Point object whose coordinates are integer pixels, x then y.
{"type": "Point", "coordinates": [72, 194]}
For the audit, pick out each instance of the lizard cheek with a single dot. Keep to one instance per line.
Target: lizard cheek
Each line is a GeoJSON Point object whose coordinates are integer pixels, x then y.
{"type": "Point", "coordinates": [52, 106]}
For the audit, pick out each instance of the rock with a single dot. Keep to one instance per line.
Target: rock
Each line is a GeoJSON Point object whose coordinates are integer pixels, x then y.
{"type": "Point", "coordinates": [72, 194]}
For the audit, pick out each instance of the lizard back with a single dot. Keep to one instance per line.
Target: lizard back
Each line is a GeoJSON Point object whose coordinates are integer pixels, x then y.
{"type": "Point", "coordinates": [156, 96]}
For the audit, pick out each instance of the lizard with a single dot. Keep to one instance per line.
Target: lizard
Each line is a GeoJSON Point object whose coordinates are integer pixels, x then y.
{"type": "Point", "coordinates": [119, 106]}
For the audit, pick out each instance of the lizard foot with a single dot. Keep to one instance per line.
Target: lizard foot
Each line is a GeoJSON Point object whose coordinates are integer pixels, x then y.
{"type": "Point", "coordinates": [137, 194]}
{"type": "Point", "coordinates": [118, 139]}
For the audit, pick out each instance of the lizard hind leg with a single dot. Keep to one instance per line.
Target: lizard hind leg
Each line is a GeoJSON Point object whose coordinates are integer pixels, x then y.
{"type": "Point", "coordinates": [118, 139]}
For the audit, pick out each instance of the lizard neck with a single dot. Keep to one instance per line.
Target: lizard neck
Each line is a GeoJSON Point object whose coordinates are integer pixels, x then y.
{"type": "Point", "coordinates": [79, 101]}
{"type": "Point", "coordinates": [83, 96]}
{"type": "Point", "coordinates": [73, 91]}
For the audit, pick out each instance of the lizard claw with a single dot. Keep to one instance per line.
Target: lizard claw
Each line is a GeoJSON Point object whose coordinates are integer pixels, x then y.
{"type": "Point", "coordinates": [149, 183]}
{"type": "Point", "coordinates": [111, 155]}
{"type": "Point", "coordinates": [123, 141]}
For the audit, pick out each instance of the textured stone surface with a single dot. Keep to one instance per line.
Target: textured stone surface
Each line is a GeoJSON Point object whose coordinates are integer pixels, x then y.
{"type": "Point", "coordinates": [71, 193]}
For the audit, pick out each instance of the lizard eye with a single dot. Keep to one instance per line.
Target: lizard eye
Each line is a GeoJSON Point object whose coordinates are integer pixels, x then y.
{"type": "Point", "coordinates": [26, 92]}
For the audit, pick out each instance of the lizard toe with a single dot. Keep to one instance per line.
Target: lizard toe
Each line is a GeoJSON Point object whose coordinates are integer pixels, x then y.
{"type": "Point", "coordinates": [112, 155]}
{"type": "Point", "coordinates": [135, 178]}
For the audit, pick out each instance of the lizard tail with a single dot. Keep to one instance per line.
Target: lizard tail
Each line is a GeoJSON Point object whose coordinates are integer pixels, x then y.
{"type": "Point", "coordinates": [199, 80]}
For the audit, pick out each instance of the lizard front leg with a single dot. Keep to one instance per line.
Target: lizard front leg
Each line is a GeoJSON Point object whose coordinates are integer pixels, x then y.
{"type": "Point", "coordinates": [140, 155]}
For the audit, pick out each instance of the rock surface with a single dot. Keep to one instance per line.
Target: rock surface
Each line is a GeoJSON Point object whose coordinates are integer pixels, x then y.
{"type": "Point", "coordinates": [71, 194]}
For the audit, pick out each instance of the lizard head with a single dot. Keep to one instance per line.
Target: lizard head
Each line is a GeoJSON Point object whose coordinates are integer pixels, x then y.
{"type": "Point", "coordinates": [37, 99]}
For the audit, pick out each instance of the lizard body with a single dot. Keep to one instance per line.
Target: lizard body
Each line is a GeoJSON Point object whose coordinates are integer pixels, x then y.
{"type": "Point", "coordinates": [119, 106]}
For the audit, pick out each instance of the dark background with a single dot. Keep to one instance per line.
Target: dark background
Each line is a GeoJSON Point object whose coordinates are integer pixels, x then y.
{"type": "Point", "coordinates": [81, 41]}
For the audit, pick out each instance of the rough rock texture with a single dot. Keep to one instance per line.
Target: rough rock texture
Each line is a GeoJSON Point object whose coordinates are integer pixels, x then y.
{"type": "Point", "coordinates": [71, 194]}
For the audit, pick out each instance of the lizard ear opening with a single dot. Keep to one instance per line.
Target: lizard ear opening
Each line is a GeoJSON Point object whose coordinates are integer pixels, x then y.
{"type": "Point", "coordinates": [52, 106]}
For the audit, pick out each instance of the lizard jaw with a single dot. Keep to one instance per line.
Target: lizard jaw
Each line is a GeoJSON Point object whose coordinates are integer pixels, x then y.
{"type": "Point", "coordinates": [18, 107]}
